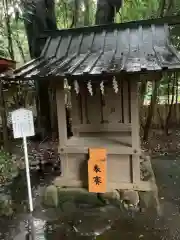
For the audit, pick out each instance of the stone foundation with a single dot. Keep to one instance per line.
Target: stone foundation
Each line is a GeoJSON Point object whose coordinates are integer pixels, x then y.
{"type": "Point", "coordinates": [138, 198]}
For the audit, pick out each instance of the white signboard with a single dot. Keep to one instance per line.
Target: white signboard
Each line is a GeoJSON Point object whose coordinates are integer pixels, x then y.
{"type": "Point", "coordinates": [22, 122]}
{"type": "Point", "coordinates": [23, 126]}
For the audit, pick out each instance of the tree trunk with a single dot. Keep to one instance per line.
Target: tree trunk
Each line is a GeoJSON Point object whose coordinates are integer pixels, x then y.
{"type": "Point", "coordinates": [161, 13]}
{"type": "Point", "coordinates": [44, 107]}
{"type": "Point", "coordinates": [142, 91]}
{"type": "Point", "coordinates": [177, 96]}
{"type": "Point", "coordinates": [106, 10]}
{"type": "Point", "coordinates": [8, 29]}
{"type": "Point", "coordinates": [141, 99]}
{"type": "Point", "coordinates": [39, 16]}
{"type": "Point", "coordinates": [87, 13]}
{"type": "Point", "coordinates": [36, 20]}
{"type": "Point", "coordinates": [104, 13]}
{"type": "Point", "coordinates": [4, 119]}
{"type": "Point", "coordinates": [166, 7]}
{"type": "Point", "coordinates": [170, 7]}
{"type": "Point", "coordinates": [162, 5]}
{"type": "Point", "coordinates": [18, 43]}
{"type": "Point", "coordinates": [170, 105]}
{"type": "Point", "coordinates": [54, 122]}
{"type": "Point", "coordinates": [151, 110]}
{"type": "Point", "coordinates": [51, 17]}
{"type": "Point", "coordinates": [76, 12]}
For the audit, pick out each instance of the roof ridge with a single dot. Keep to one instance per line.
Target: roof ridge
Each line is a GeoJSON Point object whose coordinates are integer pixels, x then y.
{"type": "Point", "coordinates": [170, 20]}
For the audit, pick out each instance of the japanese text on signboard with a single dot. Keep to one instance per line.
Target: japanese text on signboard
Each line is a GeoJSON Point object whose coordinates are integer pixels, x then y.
{"type": "Point", "coordinates": [97, 171]}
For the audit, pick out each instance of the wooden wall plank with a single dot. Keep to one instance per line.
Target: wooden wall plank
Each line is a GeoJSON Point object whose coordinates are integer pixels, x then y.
{"type": "Point", "coordinates": [94, 106]}
{"type": "Point", "coordinates": [112, 109]}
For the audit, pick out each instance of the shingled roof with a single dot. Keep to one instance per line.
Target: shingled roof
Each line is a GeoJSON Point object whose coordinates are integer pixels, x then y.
{"type": "Point", "coordinates": [108, 49]}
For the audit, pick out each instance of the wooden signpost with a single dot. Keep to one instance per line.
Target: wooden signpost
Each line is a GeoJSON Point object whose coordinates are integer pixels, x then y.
{"type": "Point", "coordinates": [23, 127]}
{"type": "Point", "coordinates": [97, 175]}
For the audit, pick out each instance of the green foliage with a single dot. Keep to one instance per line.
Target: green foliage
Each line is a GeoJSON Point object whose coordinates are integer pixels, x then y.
{"type": "Point", "coordinates": [3, 51]}
{"type": "Point", "coordinates": [12, 32]}
{"type": "Point", "coordinates": [8, 168]}
{"type": "Point", "coordinates": [74, 13]}
{"type": "Point", "coordinates": [137, 10]}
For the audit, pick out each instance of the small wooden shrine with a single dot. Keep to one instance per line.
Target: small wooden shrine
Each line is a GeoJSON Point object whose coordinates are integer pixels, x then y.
{"type": "Point", "coordinates": [103, 65]}
{"type": "Point", "coordinates": [104, 115]}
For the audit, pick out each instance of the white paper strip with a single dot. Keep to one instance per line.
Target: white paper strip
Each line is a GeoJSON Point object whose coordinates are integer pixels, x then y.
{"type": "Point", "coordinates": [102, 87]}
{"type": "Point", "coordinates": [76, 87]}
{"type": "Point", "coordinates": [89, 87]}
{"type": "Point", "coordinates": [115, 85]}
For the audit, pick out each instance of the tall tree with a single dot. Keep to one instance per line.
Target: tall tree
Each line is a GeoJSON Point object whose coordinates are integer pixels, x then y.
{"type": "Point", "coordinates": [8, 28]}
{"type": "Point", "coordinates": [165, 6]}
{"type": "Point", "coordinates": [39, 16]}
{"type": "Point", "coordinates": [106, 10]}
{"type": "Point", "coordinates": [87, 14]}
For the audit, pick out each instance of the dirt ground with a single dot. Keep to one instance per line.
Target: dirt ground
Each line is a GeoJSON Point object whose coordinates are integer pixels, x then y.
{"type": "Point", "coordinates": [160, 144]}
{"type": "Point", "coordinates": [165, 151]}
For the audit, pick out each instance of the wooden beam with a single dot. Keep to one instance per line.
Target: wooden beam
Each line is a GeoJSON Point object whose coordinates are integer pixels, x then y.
{"type": "Point", "coordinates": [106, 127]}
{"type": "Point", "coordinates": [150, 76]}
{"type": "Point", "coordinates": [141, 186]}
{"type": "Point", "coordinates": [84, 149]}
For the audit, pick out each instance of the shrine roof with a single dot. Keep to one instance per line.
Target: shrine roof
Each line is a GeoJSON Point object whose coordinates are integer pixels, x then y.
{"type": "Point", "coordinates": [134, 47]}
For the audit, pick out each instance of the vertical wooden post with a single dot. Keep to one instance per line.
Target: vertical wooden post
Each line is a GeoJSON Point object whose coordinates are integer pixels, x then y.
{"type": "Point", "coordinates": [61, 114]}
{"type": "Point", "coordinates": [135, 130]}
{"type": "Point", "coordinates": [125, 101]}
{"type": "Point", "coordinates": [76, 112]}
{"type": "Point", "coordinates": [83, 93]}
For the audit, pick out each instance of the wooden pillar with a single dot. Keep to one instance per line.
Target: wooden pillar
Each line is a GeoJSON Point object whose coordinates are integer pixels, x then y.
{"type": "Point", "coordinates": [135, 130]}
{"type": "Point", "coordinates": [61, 114]}
{"type": "Point", "coordinates": [125, 106]}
